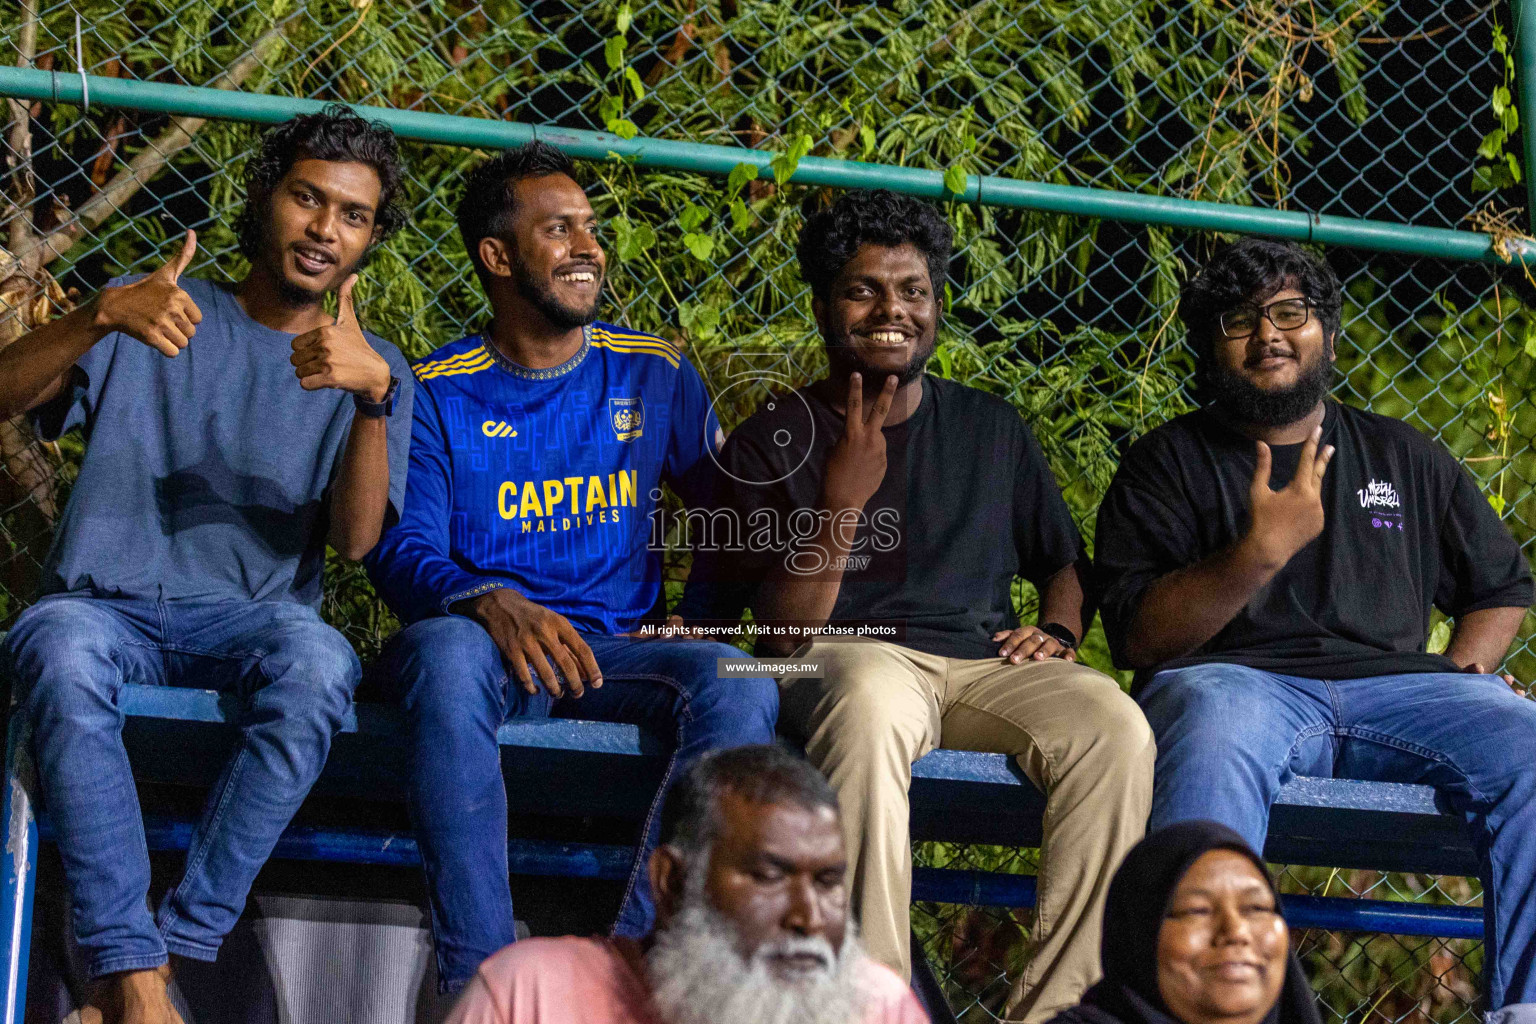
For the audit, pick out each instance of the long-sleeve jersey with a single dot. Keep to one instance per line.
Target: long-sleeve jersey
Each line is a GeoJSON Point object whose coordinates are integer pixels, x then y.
{"type": "Point", "coordinates": [545, 480]}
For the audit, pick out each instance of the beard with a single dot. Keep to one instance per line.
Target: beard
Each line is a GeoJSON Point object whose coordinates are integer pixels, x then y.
{"type": "Point", "coordinates": [542, 297]}
{"type": "Point", "coordinates": [1242, 400]}
{"type": "Point", "coordinates": [292, 293]}
{"type": "Point", "coordinates": [698, 977]}
{"type": "Point", "coordinates": [843, 360]}
{"type": "Point", "coordinates": [297, 295]}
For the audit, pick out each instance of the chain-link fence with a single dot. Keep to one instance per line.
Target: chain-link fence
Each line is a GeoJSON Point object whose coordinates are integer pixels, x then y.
{"type": "Point", "coordinates": [1398, 111]}
{"type": "Point", "coordinates": [1359, 977]}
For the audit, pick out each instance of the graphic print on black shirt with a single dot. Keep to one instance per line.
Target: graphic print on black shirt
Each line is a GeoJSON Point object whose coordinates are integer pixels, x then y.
{"type": "Point", "coordinates": [967, 503]}
{"type": "Point", "coordinates": [1405, 529]}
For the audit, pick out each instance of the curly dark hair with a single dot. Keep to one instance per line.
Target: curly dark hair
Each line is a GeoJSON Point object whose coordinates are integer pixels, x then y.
{"type": "Point", "coordinates": [489, 200]}
{"type": "Point", "coordinates": [879, 216]}
{"type": "Point", "coordinates": [336, 133]}
{"type": "Point", "coordinates": [1251, 270]}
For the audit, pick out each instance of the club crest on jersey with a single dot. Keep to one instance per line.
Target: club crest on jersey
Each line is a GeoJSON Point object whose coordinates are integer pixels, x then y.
{"type": "Point", "coordinates": [627, 416]}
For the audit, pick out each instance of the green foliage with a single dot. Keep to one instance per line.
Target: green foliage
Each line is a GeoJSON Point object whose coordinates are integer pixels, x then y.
{"type": "Point", "coordinates": [1503, 168]}
{"type": "Point", "coordinates": [1074, 322]}
{"type": "Point", "coordinates": [1007, 88]}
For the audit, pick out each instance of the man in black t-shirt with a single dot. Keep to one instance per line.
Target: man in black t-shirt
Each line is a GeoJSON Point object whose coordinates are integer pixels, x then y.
{"type": "Point", "coordinates": [882, 501]}
{"type": "Point", "coordinates": [1268, 565]}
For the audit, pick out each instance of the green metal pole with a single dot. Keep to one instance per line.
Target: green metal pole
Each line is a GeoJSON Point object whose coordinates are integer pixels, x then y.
{"type": "Point", "coordinates": [1524, 15]}
{"type": "Point", "coordinates": [447, 129]}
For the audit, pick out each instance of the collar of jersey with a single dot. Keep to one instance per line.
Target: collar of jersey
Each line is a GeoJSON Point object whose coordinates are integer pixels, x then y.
{"type": "Point", "coordinates": [548, 373]}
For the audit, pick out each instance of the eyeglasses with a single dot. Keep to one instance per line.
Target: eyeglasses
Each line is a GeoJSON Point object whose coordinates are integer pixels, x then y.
{"type": "Point", "coordinates": [1285, 314]}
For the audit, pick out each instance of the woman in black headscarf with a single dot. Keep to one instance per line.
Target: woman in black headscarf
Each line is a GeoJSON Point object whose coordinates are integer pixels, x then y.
{"type": "Point", "coordinates": [1193, 935]}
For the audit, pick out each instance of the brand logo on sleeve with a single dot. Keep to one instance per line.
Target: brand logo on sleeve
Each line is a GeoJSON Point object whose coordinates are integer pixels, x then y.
{"type": "Point", "coordinates": [627, 416]}
{"type": "Point", "coordinates": [1380, 498]}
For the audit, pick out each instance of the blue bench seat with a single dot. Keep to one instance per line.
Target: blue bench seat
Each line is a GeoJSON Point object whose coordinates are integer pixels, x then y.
{"type": "Point", "coordinates": [180, 736]}
{"type": "Point", "coordinates": [564, 768]}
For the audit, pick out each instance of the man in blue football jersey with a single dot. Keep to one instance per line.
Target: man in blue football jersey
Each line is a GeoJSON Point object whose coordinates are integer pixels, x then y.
{"type": "Point", "coordinates": [521, 562]}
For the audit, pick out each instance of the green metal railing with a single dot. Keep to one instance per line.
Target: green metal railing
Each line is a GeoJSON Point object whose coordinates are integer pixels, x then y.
{"type": "Point", "coordinates": [720, 161]}
{"type": "Point", "coordinates": [1523, 15]}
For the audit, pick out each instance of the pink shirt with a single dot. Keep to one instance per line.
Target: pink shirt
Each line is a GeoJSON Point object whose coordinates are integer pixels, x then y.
{"type": "Point", "coordinates": [596, 981]}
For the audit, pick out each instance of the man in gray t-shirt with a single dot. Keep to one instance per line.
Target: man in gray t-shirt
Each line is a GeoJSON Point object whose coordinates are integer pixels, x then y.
{"type": "Point", "coordinates": [231, 435]}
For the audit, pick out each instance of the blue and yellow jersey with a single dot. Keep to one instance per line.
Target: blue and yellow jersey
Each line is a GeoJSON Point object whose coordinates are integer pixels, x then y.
{"type": "Point", "coordinates": [545, 480]}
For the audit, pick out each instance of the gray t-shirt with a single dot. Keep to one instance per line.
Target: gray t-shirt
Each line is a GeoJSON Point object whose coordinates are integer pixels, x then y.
{"type": "Point", "coordinates": [207, 476]}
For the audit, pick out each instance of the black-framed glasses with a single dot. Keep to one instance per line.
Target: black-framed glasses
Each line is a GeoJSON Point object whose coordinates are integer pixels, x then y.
{"type": "Point", "coordinates": [1285, 314]}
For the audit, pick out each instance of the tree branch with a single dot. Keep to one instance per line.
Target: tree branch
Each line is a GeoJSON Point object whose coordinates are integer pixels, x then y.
{"type": "Point", "coordinates": [24, 471]}
{"type": "Point", "coordinates": [145, 165]}
{"type": "Point", "coordinates": [19, 139]}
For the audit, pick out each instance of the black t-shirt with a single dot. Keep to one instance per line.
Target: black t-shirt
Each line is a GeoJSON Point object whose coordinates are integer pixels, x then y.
{"type": "Point", "coordinates": [967, 503]}
{"type": "Point", "coordinates": [1405, 528]}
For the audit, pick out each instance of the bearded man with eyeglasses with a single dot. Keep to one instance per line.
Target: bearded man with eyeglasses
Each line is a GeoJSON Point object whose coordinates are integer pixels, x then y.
{"type": "Point", "coordinates": [1268, 566]}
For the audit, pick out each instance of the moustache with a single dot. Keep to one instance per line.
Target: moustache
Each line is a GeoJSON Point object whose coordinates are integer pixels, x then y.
{"type": "Point", "coordinates": [793, 946]}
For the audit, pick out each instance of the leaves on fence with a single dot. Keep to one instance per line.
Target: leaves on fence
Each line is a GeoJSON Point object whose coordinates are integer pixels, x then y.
{"type": "Point", "coordinates": [1345, 107]}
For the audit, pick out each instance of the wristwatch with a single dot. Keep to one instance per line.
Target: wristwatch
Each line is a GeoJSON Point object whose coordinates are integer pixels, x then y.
{"type": "Point", "coordinates": [377, 409]}
{"type": "Point", "coordinates": [1056, 631]}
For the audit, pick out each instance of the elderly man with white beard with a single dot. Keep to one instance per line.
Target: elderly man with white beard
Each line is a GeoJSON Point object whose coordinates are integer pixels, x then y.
{"type": "Point", "coordinates": [752, 920]}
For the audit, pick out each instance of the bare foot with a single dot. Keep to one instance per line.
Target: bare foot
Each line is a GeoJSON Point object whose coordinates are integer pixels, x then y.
{"type": "Point", "coordinates": [133, 997]}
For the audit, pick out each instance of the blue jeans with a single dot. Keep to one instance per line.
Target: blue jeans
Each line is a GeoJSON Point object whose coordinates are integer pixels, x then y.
{"type": "Point", "coordinates": [456, 690]}
{"type": "Point", "coordinates": [70, 657]}
{"type": "Point", "coordinates": [1229, 737]}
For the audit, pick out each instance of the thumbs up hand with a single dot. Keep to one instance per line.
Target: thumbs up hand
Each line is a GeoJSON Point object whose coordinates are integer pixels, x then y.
{"type": "Point", "coordinates": [154, 309]}
{"type": "Point", "coordinates": [339, 356]}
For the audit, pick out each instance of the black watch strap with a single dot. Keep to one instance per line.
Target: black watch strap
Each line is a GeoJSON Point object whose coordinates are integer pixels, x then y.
{"type": "Point", "coordinates": [377, 409]}
{"type": "Point", "coordinates": [1057, 631]}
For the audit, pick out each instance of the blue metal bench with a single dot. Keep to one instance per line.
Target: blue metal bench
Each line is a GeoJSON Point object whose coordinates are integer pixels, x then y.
{"type": "Point", "coordinates": [181, 736]}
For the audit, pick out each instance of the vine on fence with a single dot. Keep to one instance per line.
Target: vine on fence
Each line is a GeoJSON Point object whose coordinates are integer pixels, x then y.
{"type": "Point", "coordinates": [1503, 169]}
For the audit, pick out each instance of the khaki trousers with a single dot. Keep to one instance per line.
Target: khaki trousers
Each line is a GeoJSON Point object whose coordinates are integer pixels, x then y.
{"type": "Point", "coordinates": [1077, 737]}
